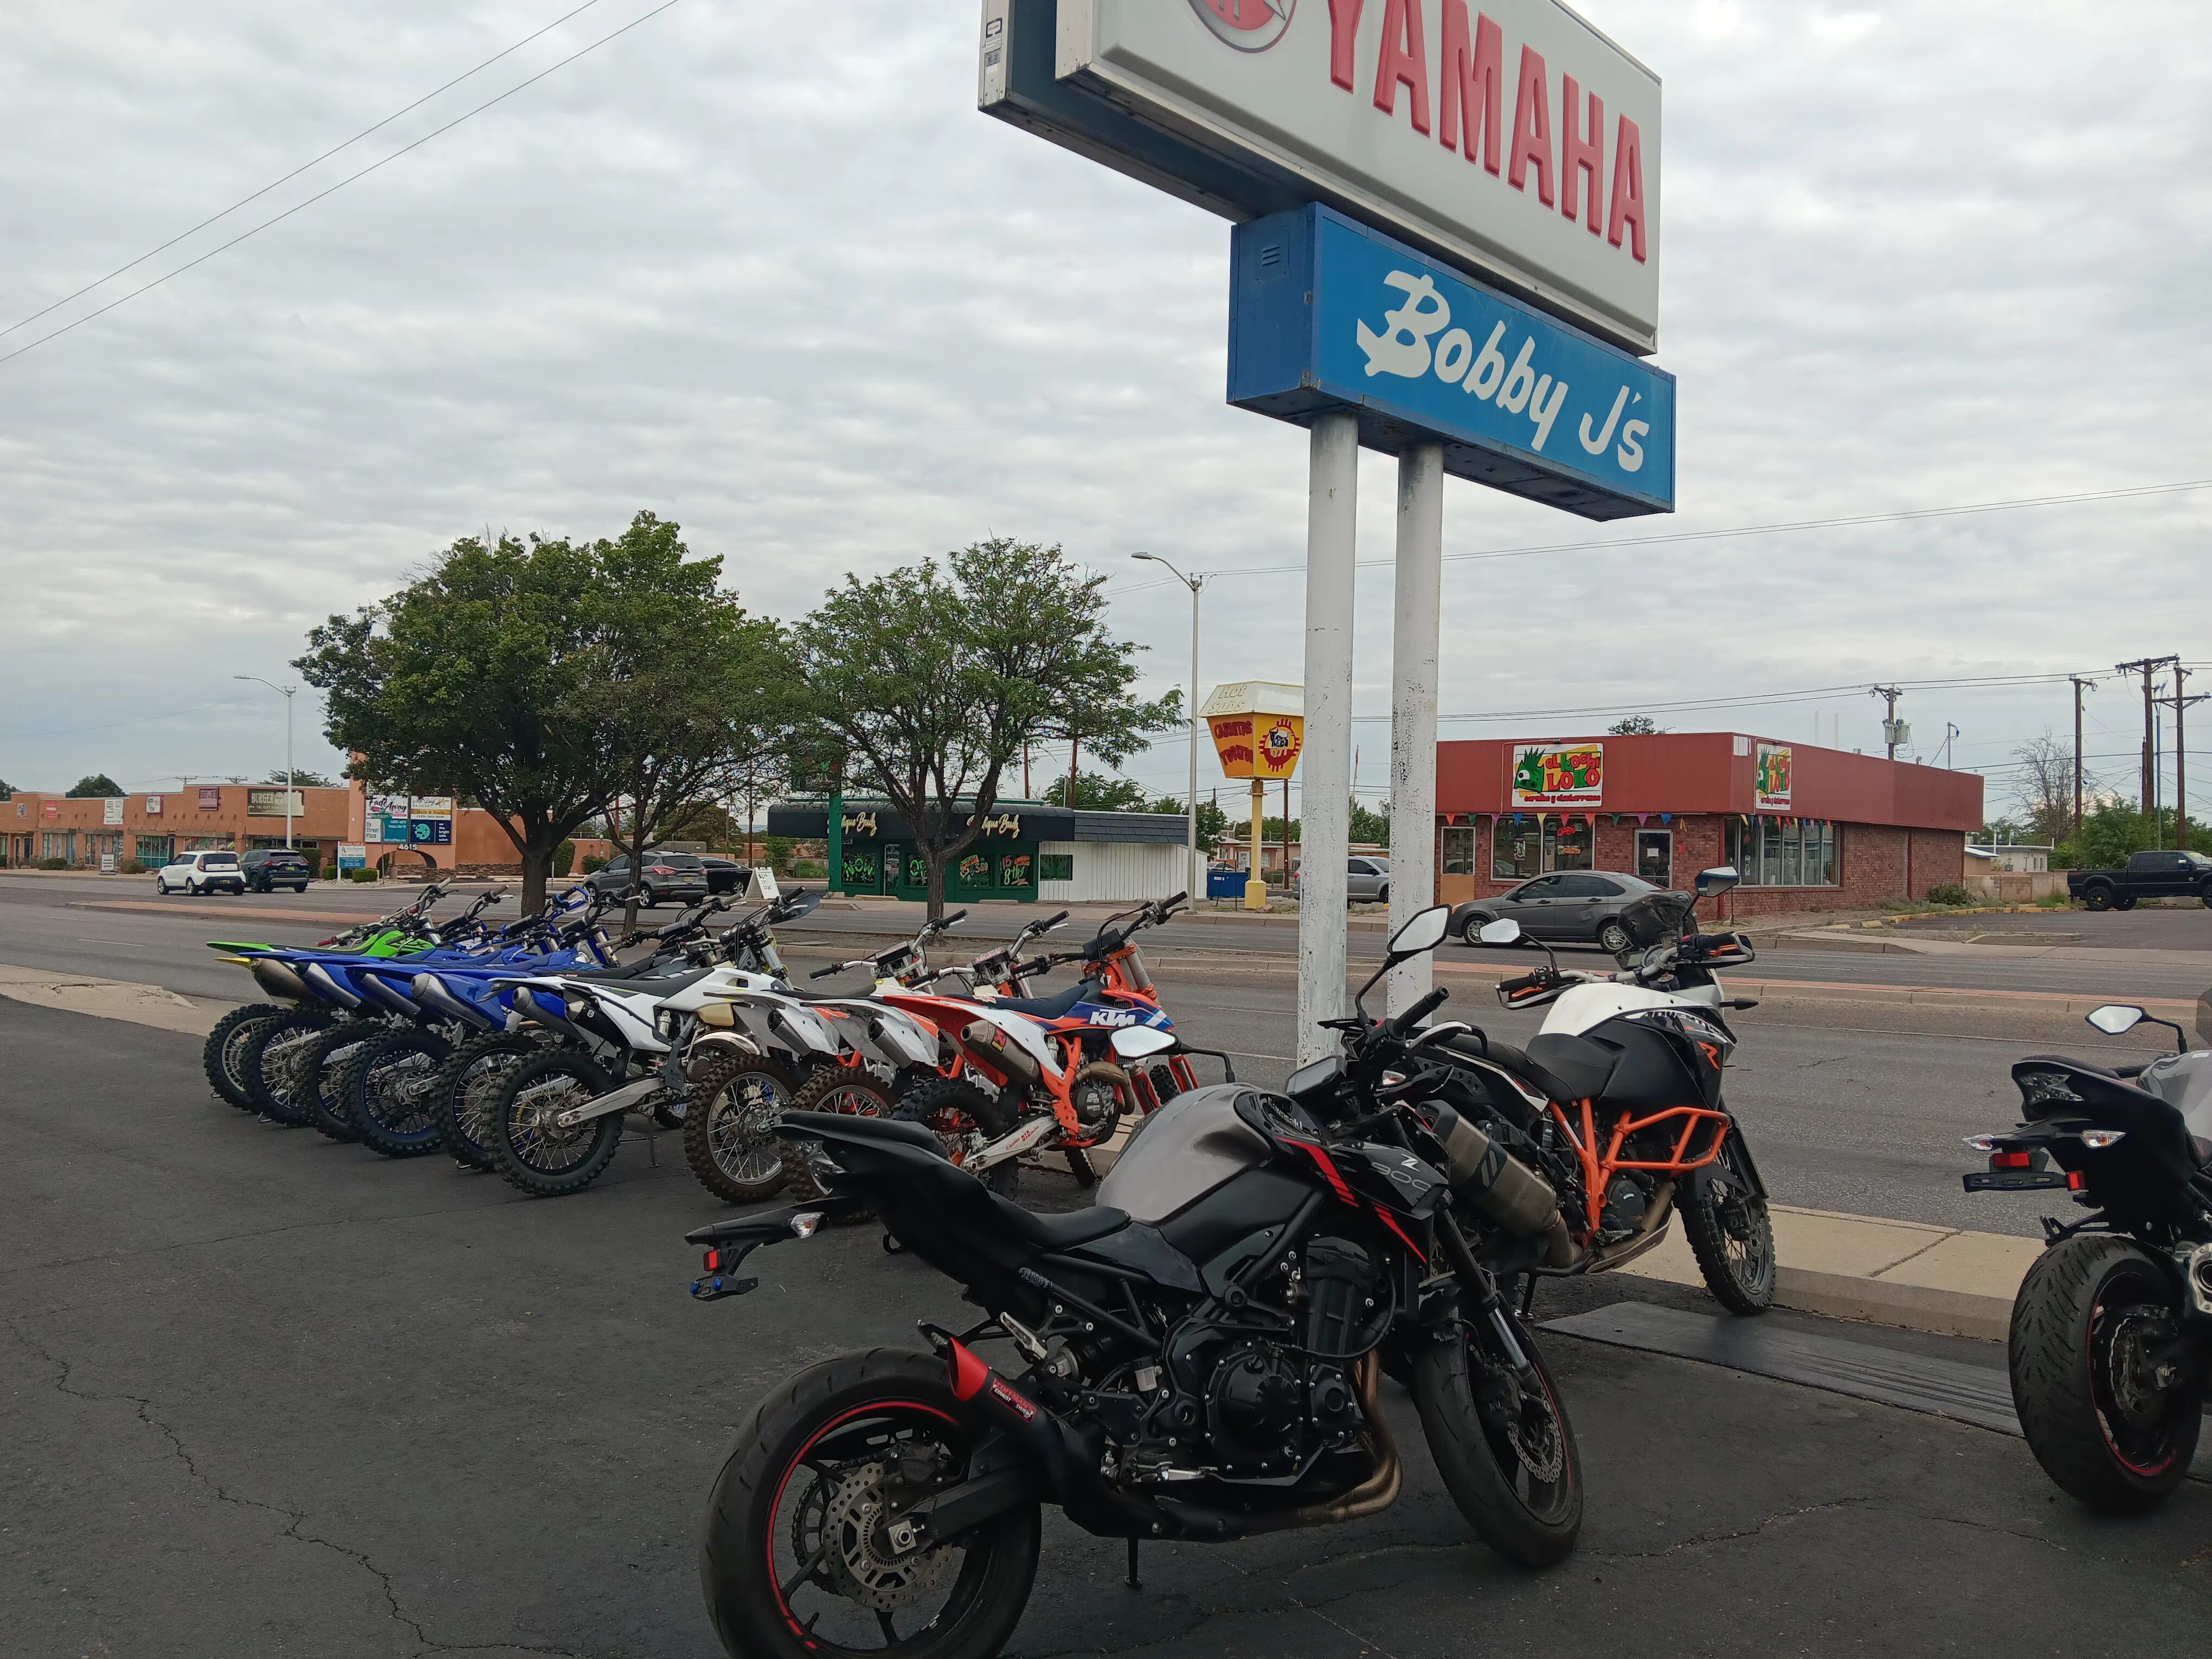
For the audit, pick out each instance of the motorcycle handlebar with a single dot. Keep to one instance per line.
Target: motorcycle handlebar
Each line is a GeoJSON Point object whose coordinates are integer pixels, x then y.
{"type": "Point", "coordinates": [1420, 1011]}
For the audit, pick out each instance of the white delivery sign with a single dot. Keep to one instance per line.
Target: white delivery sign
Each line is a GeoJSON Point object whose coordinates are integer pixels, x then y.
{"type": "Point", "coordinates": [1507, 137]}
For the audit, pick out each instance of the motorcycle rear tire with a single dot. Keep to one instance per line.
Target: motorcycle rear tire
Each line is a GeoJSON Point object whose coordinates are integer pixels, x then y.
{"type": "Point", "coordinates": [466, 1086]}
{"type": "Point", "coordinates": [393, 1126]}
{"type": "Point", "coordinates": [1473, 1460]}
{"type": "Point", "coordinates": [739, 1162]}
{"type": "Point", "coordinates": [271, 1064]}
{"type": "Point", "coordinates": [1734, 1242]}
{"type": "Point", "coordinates": [318, 1074]}
{"type": "Point", "coordinates": [2063, 1386]}
{"type": "Point", "coordinates": [518, 1151]}
{"type": "Point", "coordinates": [934, 1096]}
{"type": "Point", "coordinates": [225, 1048]}
{"type": "Point", "coordinates": [738, 1571]}
{"type": "Point", "coordinates": [833, 1089]}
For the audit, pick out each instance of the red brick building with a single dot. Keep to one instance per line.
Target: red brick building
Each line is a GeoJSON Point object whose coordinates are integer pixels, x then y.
{"type": "Point", "coordinates": [154, 827]}
{"type": "Point", "coordinates": [1810, 829]}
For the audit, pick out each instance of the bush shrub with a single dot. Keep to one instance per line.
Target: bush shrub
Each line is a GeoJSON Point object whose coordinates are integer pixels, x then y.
{"type": "Point", "coordinates": [53, 864]}
{"type": "Point", "coordinates": [330, 873]}
{"type": "Point", "coordinates": [130, 868]}
{"type": "Point", "coordinates": [564, 860]}
{"type": "Point", "coordinates": [367, 873]}
{"type": "Point", "coordinates": [777, 849]}
{"type": "Point", "coordinates": [1951, 893]}
{"type": "Point", "coordinates": [806, 869]}
{"type": "Point", "coordinates": [593, 864]}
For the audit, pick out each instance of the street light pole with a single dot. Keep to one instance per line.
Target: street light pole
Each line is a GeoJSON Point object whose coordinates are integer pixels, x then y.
{"type": "Point", "coordinates": [287, 693]}
{"type": "Point", "coordinates": [1193, 582]}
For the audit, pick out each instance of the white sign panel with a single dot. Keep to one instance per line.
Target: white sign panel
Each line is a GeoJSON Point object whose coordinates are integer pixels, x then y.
{"type": "Point", "coordinates": [1508, 136]}
{"type": "Point", "coordinates": [111, 809]}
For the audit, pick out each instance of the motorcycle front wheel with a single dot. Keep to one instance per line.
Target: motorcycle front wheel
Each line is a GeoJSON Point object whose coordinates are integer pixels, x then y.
{"type": "Point", "coordinates": [1507, 1457]}
{"type": "Point", "coordinates": [2108, 1407]}
{"type": "Point", "coordinates": [532, 1150]}
{"type": "Point", "coordinates": [1729, 1231]}
{"type": "Point", "coordinates": [729, 1132]}
{"type": "Point", "coordinates": [387, 1090]}
{"type": "Point", "coordinates": [222, 1057]}
{"type": "Point", "coordinates": [796, 1561]}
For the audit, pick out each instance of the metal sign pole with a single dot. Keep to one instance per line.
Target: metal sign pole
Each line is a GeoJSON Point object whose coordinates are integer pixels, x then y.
{"type": "Point", "coordinates": [1413, 676]}
{"type": "Point", "coordinates": [1332, 514]}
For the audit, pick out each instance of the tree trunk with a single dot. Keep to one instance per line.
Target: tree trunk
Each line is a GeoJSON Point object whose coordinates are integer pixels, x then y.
{"type": "Point", "coordinates": [933, 861]}
{"type": "Point", "coordinates": [537, 866]}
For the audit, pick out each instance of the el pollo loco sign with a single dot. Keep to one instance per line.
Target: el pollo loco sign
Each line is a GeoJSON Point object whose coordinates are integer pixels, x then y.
{"type": "Point", "coordinates": [1507, 136]}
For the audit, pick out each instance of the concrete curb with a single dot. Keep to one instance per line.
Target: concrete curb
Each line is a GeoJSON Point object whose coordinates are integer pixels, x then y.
{"type": "Point", "coordinates": [1922, 1277]}
{"type": "Point", "coordinates": [111, 999]}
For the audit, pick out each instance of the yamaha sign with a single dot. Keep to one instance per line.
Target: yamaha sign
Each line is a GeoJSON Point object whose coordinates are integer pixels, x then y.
{"type": "Point", "coordinates": [1507, 137]}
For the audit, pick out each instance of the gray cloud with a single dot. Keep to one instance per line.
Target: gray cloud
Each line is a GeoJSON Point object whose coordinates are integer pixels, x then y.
{"type": "Point", "coordinates": [765, 270]}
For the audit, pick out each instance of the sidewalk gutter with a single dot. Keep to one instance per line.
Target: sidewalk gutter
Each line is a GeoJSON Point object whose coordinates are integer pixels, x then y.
{"type": "Point", "coordinates": [1907, 1274]}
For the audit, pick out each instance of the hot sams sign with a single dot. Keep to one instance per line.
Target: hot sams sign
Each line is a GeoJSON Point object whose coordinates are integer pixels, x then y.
{"type": "Point", "coordinates": [1508, 136]}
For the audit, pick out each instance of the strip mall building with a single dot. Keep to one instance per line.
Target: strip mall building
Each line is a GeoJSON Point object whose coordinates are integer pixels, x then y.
{"type": "Point", "coordinates": [1810, 829]}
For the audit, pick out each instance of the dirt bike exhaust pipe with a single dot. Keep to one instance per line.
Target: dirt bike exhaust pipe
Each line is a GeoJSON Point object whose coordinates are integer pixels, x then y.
{"type": "Point", "coordinates": [1500, 1186]}
{"type": "Point", "coordinates": [1000, 1052]}
{"type": "Point", "coordinates": [277, 979]}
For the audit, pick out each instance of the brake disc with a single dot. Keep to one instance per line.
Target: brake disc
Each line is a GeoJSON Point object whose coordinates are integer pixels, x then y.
{"type": "Point", "coordinates": [862, 1565]}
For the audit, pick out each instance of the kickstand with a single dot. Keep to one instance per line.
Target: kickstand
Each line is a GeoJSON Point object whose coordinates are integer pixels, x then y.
{"type": "Point", "coordinates": [1134, 1583]}
{"type": "Point", "coordinates": [1527, 1295]}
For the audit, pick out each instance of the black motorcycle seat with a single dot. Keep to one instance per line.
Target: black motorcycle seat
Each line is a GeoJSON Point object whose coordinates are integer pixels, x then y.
{"type": "Point", "coordinates": [1060, 1231]}
{"type": "Point", "coordinates": [1569, 1067]}
{"type": "Point", "coordinates": [1052, 1007]}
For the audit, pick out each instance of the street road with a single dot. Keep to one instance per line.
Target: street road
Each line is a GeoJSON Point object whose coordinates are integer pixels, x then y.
{"type": "Point", "coordinates": [264, 1395]}
{"type": "Point", "coordinates": [99, 931]}
{"type": "Point", "coordinates": [1852, 1107]}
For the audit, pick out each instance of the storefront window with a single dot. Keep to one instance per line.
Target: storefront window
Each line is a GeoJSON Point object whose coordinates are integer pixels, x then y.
{"type": "Point", "coordinates": [1567, 843]}
{"type": "Point", "coordinates": [1014, 872]}
{"type": "Point", "coordinates": [1655, 856]}
{"type": "Point", "coordinates": [1055, 867]}
{"type": "Point", "coordinates": [1459, 849]}
{"type": "Point", "coordinates": [975, 871]}
{"type": "Point", "coordinates": [1516, 850]}
{"type": "Point", "coordinates": [1773, 854]}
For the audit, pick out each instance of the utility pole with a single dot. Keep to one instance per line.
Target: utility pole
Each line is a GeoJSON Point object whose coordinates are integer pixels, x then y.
{"type": "Point", "coordinates": [2080, 685]}
{"type": "Point", "coordinates": [1197, 884]}
{"type": "Point", "coordinates": [1950, 733]}
{"type": "Point", "coordinates": [2147, 667]}
{"type": "Point", "coordinates": [2178, 702]}
{"type": "Point", "coordinates": [1889, 721]}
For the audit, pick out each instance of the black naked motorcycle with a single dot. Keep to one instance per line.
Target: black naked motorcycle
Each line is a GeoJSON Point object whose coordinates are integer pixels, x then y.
{"type": "Point", "coordinates": [1195, 1357]}
{"type": "Point", "coordinates": [2111, 1343]}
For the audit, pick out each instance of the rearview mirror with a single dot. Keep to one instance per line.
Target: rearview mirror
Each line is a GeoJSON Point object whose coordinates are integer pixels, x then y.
{"type": "Point", "coordinates": [2114, 1017]}
{"type": "Point", "coordinates": [1135, 1042]}
{"type": "Point", "coordinates": [1507, 932]}
{"type": "Point", "coordinates": [1718, 879]}
{"type": "Point", "coordinates": [1423, 932]}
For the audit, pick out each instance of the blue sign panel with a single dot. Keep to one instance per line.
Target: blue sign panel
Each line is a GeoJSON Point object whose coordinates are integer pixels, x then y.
{"type": "Point", "coordinates": [1325, 313]}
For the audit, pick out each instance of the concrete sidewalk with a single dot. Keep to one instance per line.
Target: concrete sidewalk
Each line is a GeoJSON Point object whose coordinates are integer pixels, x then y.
{"type": "Point", "coordinates": [1886, 1272]}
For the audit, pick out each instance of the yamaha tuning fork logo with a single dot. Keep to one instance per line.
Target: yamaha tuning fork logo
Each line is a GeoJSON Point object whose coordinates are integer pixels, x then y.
{"type": "Point", "coordinates": [1247, 25]}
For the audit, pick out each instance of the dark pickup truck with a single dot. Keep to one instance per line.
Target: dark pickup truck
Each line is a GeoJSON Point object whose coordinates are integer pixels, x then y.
{"type": "Point", "coordinates": [2148, 875]}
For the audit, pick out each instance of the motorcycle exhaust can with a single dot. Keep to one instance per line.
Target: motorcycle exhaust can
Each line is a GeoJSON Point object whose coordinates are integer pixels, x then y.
{"type": "Point", "coordinates": [1498, 1185]}
{"type": "Point", "coordinates": [277, 979]}
{"type": "Point", "coordinates": [996, 1049]}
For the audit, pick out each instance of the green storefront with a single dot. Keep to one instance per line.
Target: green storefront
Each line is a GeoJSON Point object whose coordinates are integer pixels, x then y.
{"type": "Point", "coordinates": [879, 857]}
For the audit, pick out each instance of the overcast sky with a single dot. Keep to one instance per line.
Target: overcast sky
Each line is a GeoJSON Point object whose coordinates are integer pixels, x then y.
{"type": "Point", "coordinates": [764, 269]}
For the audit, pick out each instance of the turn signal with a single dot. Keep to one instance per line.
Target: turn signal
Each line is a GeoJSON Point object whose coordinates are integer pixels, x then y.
{"type": "Point", "coordinates": [805, 1222]}
{"type": "Point", "coordinates": [2097, 1139]}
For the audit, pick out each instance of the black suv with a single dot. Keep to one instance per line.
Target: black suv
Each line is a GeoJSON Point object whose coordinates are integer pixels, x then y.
{"type": "Point", "coordinates": [268, 868]}
{"type": "Point", "coordinates": [662, 876]}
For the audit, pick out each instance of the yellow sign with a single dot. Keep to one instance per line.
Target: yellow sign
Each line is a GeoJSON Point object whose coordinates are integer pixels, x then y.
{"type": "Point", "coordinates": [1258, 745]}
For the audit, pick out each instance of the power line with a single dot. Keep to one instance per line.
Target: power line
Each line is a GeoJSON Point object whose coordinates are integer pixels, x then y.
{"type": "Point", "coordinates": [1902, 515]}
{"type": "Point", "coordinates": [341, 184]}
{"type": "Point", "coordinates": [296, 170]}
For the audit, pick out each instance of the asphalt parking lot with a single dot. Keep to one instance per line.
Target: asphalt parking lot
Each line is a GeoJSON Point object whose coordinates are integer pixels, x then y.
{"type": "Point", "coordinates": [264, 1395]}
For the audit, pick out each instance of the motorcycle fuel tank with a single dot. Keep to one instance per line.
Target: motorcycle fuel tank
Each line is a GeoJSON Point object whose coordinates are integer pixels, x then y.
{"type": "Point", "coordinates": [1183, 1152]}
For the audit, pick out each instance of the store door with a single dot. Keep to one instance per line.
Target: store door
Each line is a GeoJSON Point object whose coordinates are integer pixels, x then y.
{"type": "Point", "coordinates": [1655, 856]}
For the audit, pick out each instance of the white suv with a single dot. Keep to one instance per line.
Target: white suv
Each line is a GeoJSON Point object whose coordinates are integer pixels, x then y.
{"type": "Point", "coordinates": [201, 873]}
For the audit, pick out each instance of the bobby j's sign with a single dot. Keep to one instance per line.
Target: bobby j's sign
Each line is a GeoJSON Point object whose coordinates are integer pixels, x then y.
{"type": "Point", "coordinates": [1324, 313]}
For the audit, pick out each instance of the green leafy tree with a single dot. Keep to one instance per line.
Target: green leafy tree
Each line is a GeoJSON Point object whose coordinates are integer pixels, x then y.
{"type": "Point", "coordinates": [96, 785]}
{"type": "Point", "coordinates": [7, 790]}
{"type": "Point", "coordinates": [476, 679]}
{"type": "Point", "coordinates": [927, 681]}
{"type": "Point", "coordinates": [1096, 791]}
{"type": "Point", "coordinates": [301, 780]}
{"type": "Point", "coordinates": [1211, 820]}
{"type": "Point", "coordinates": [2114, 829]}
{"type": "Point", "coordinates": [1635, 726]}
{"type": "Point", "coordinates": [684, 689]}
{"type": "Point", "coordinates": [1368, 826]}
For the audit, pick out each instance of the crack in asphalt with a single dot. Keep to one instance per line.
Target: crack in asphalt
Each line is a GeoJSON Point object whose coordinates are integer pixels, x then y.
{"type": "Point", "coordinates": [1707, 1541]}
{"type": "Point", "coordinates": [295, 1520]}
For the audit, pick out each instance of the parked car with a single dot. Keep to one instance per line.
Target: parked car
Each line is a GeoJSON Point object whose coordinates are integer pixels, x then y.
{"type": "Point", "coordinates": [679, 876]}
{"type": "Point", "coordinates": [201, 873]}
{"type": "Point", "coordinates": [1367, 880]}
{"type": "Point", "coordinates": [2148, 875]}
{"type": "Point", "coordinates": [1573, 906]}
{"type": "Point", "coordinates": [268, 868]}
{"type": "Point", "coordinates": [723, 875]}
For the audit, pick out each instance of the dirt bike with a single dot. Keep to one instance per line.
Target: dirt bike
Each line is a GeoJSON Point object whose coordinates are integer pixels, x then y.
{"type": "Point", "coordinates": [1197, 1357]}
{"type": "Point", "coordinates": [2110, 1345]}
